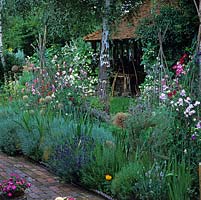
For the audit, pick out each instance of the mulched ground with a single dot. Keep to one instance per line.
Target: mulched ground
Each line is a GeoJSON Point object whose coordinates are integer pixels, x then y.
{"type": "Point", "coordinates": [45, 185]}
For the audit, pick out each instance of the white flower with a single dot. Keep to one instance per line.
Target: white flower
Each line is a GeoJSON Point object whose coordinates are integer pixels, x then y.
{"type": "Point", "coordinates": [63, 72]}
{"type": "Point", "coordinates": [192, 112]}
{"type": "Point", "coordinates": [188, 99]}
{"type": "Point", "coordinates": [70, 70]}
{"type": "Point", "coordinates": [59, 198]}
{"type": "Point", "coordinates": [165, 87]}
{"type": "Point", "coordinates": [163, 96]}
{"type": "Point", "coordinates": [180, 102]}
{"type": "Point", "coordinates": [196, 103]}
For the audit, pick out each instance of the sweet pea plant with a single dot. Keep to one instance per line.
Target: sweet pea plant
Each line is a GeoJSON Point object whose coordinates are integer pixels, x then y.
{"type": "Point", "coordinates": [68, 78]}
{"type": "Point", "coordinates": [173, 93]}
{"type": "Point", "coordinates": [15, 184]}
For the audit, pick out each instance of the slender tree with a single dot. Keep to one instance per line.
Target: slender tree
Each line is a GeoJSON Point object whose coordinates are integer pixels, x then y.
{"type": "Point", "coordinates": [104, 58]}
{"type": "Point", "coordinates": [198, 50]}
{"type": "Point", "coordinates": [1, 35]}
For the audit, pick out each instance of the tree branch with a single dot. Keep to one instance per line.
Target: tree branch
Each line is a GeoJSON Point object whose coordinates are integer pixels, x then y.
{"type": "Point", "coordinates": [196, 6]}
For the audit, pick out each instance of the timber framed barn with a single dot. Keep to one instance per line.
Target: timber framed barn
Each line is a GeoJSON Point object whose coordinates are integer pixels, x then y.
{"type": "Point", "coordinates": [126, 49]}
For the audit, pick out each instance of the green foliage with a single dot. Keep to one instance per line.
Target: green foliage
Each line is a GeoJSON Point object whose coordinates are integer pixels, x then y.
{"type": "Point", "coordinates": [150, 129]}
{"type": "Point", "coordinates": [95, 103]}
{"type": "Point", "coordinates": [14, 58]}
{"type": "Point", "coordinates": [152, 182]}
{"type": "Point", "coordinates": [9, 140]}
{"type": "Point", "coordinates": [119, 104]}
{"type": "Point", "coordinates": [171, 21]}
{"type": "Point", "coordinates": [25, 77]}
{"type": "Point", "coordinates": [178, 180]}
{"type": "Point", "coordinates": [32, 137]}
{"type": "Point", "coordinates": [71, 156]}
{"type": "Point", "coordinates": [106, 159]}
{"type": "Point", "coordinates": [68, 75]}
{"type": "Point", "coordinates": [125, 180]}
{"type": "Point", "coordinates": [20, 32]}
{"type": "Point", "coordinates": [24, 20]}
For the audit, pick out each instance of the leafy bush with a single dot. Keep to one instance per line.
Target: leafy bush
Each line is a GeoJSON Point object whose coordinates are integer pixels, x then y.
{"type": "Point", "coordinates": [14, 58]}
{"type": "Point", "coordinates": [178, 180]}
{"type": "Point", "coordinates": [152, 182]}
{"type": "Point", "coordinates": [69, 158]}
{"type": "Point", "coordinates": [176, 31]}
{"type": "Point", "coordinates": [119, 104]}
{"type": "Point", "coordinates": [35, 129]}
{"type": "Point", "coordinates": [68, 77]}
{"type": "Point", "coordinates": [9, 140]}
{"type": "Point", "coordinates": [125, 179]}
{"type": "Point", "coordinates": [149, 129]}
{"type": "Point", "coordinates": [104, 160]}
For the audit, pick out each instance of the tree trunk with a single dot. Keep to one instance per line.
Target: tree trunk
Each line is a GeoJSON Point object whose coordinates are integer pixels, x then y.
{"type": "Point", "coordinates": [198, 8]}
{"type": "Point", "coordinates": [1, 42]}
{"type": "Point", "coordinates": [104, 59]}
{"type": "Point", "coordinates": [199, 50]}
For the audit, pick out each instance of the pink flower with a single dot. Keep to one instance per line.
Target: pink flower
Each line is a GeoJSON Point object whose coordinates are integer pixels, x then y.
{"type": "Point", "coordinates": [28, 185]}
{"type": "Point", "coordinates": [10, 194]}
{"type": "Point", "coordinates": [179, 69]}
{"type": "Point", "coordinates": [163, 81]}
{"type": "Point", "coordinates": [13, 187]}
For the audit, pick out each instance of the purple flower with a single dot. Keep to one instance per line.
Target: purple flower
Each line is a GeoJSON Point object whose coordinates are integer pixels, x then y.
{"type": "Point", "coordinates": [193, 137]}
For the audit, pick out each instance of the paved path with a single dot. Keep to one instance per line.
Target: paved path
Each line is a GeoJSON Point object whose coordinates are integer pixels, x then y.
{"type": "Point", "coordinates": [45, 186]}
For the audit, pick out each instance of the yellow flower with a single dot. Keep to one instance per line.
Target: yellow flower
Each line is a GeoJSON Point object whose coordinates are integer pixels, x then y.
{"type": "Point", "coordinates": [108, 177]}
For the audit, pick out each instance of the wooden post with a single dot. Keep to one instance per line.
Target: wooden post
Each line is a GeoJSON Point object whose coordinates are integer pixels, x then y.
{"type": "Point", "coordinates": [200, 178]}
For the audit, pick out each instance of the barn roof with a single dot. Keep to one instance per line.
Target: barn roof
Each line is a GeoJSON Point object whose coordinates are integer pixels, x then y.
{"type": "Point", "coordinates": [127, 26]}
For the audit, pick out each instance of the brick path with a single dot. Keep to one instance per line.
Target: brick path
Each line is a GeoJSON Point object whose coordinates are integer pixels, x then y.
{"type": "Point", "coordinates": [45, 186]}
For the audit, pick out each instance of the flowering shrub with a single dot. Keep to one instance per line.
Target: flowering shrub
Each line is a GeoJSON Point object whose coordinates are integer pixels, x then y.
{"type": "Point", "coordinates": [175, 90]}
{"type": "Point", "coordinates": [15, 184]}
{"type": "Point", "coordinates": [69, 158]}
{"type": "Point", "coordinates": [174, 94]}
{"type": "Point", "coordinates": [67, 78]}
